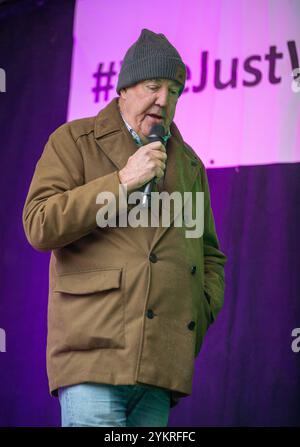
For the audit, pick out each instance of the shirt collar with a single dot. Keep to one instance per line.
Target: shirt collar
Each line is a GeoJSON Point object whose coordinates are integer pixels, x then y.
{"type": "Point", "coordinates": [136, 137]}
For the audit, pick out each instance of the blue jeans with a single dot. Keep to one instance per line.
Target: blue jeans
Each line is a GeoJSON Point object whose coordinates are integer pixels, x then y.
{"type": "Point", "coordinates": [102, 405]}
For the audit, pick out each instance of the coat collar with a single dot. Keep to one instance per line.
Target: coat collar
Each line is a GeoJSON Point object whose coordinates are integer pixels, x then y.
{"type": "Point", "coordinates": [116, 142]}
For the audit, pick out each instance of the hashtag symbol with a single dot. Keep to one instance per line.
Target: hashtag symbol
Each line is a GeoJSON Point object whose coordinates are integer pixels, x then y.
{"type": "Point", "coordinates": [106, 76]}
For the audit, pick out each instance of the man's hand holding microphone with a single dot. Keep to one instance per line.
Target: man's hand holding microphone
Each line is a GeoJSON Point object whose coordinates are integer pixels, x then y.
{"type": "Point", "coordinates": [146, 165]}
{"type": "Point", "coordinates": [147, 162]}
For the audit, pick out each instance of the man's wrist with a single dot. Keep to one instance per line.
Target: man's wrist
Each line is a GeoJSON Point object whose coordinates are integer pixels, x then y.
{"type": "Point", "coordinates": [123, 181]}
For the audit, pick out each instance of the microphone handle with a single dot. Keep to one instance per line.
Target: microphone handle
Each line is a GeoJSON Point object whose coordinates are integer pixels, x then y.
{"type": "Point", "coordinates": [146, 199]}
{"type": "Point", "coordinates": [147, 193]}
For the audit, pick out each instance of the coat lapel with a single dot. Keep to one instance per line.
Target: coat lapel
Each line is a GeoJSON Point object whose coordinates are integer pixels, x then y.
{"type": "Point", "coordinates": [112, 135]}
{"type": "Point", "coordinates": [180, 175]}
{"type": "Point", "coordinates": [114, 139]}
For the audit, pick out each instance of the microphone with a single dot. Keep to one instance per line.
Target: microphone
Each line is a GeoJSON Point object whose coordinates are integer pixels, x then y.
{"type": "Point", "coordinates": [157, 133]}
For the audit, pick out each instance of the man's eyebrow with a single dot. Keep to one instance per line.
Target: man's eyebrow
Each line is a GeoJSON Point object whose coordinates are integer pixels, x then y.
{"type": "Point", "coordinates": [174, 83]}
{"type": "Point", "coordinates": [153, 80]}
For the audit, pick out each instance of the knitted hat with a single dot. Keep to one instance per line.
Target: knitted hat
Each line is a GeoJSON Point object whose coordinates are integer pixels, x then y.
{"type": "Point", "coordinates": [151, 56]}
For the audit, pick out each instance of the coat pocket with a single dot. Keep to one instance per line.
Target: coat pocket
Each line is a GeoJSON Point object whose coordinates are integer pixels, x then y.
{"type": "Point", "coordinates": [205, 319]}
{"type": "Point", "coordinates": [206, 299]}
{"type": "Point", "coordinates": [91, 309]}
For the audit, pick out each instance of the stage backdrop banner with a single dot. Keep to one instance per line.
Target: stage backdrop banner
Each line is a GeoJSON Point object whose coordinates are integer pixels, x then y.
{"type": "Point", "coordinates": [241, 101]}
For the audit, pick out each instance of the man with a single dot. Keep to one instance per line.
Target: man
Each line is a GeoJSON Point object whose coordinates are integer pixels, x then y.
{"type": "Point", "coordinates": [128, 306]}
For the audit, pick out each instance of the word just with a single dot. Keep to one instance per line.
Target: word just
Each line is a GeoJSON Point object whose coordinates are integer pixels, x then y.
{"type": "Point", "coordinates": [154, 216]}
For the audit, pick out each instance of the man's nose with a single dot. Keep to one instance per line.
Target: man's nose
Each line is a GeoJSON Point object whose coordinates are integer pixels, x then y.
{"type": "Point", "coordinates": [162, 97]}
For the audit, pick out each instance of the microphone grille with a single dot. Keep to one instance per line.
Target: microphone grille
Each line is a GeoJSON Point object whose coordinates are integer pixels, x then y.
{"type": "Point", "coordinates": [158, 129]}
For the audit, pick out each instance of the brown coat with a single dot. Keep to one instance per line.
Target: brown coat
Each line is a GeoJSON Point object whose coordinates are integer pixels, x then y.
{"type": "Point", "coordinates": [126, 305]}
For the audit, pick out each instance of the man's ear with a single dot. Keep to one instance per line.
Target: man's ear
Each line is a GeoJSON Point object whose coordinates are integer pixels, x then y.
{"type": "Point", "coordinates": [123, 93]}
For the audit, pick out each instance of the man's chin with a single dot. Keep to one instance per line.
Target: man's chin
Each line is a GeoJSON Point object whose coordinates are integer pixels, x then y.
{"type": "Point", "coordinates": [150, 123]}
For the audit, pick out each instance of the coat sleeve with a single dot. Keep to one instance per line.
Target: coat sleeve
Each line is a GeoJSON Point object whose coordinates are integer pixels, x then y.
{"type": "Point", "coordinates": [214, 259]}
{"type": "Point", "coordinates": [60, 208]}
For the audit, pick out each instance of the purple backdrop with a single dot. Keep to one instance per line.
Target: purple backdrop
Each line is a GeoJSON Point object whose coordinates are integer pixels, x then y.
{"type": "Point", "coordinates": [246, 373]}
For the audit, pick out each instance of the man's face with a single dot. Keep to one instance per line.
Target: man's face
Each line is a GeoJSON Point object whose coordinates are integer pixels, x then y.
{"type": "Point", "coordinates": [149, 102]}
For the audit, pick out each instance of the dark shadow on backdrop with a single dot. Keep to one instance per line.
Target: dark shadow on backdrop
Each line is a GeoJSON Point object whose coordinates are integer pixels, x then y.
{"type": "Point", "coordinates": [35, 51]}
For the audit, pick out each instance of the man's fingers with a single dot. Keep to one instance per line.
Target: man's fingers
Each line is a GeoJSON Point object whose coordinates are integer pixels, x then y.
{"type": "Point", "coordinates": [156, 145]}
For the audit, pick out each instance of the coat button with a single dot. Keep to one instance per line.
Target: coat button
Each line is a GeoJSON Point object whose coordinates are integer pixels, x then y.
{"type": "Point", "coordinates": [150, 313]}
{"type": "Point", "coordinates": [194, 162]}
{"type": "Point", "coordinates": [191, 325]}
{"type": "Point", "coordinates": [193, 269]}
{"type": "Point", "coordinates": [153, 257]}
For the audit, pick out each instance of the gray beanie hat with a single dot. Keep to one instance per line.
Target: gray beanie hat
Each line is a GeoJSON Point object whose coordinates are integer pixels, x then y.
{"type": "Point", "coordinates": [151, 56]}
